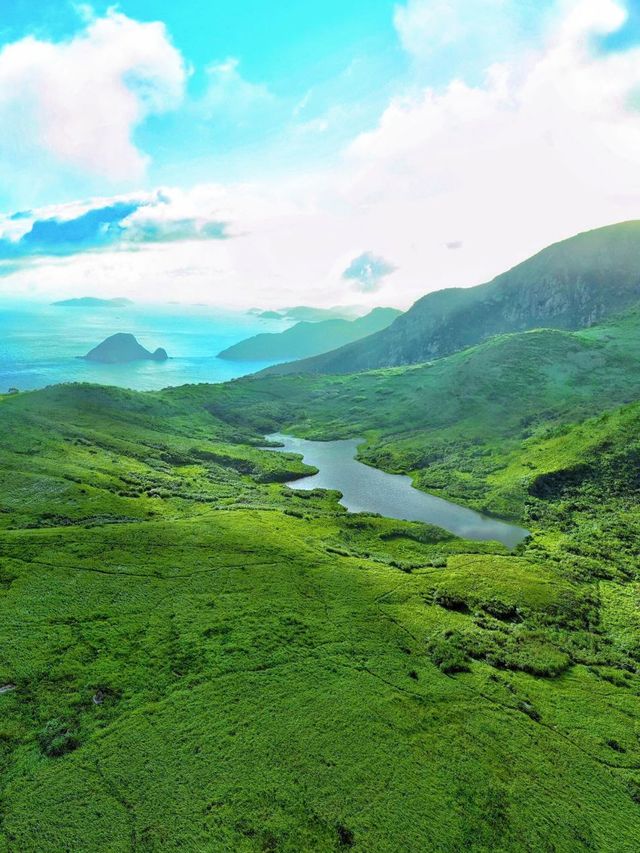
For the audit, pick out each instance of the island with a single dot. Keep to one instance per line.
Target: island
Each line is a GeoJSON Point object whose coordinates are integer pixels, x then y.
{"type": "Point", "coordinates": [122, 348]}
{"type": "Point", "coordinates": [93, 302]}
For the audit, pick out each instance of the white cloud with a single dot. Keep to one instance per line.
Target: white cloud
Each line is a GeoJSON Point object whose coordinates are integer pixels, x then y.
{"type": "Point", "coordinates": [228, 94]}
{"type": "Point", "coordinates": [79, 101]}
{"type": "Point", "coordinates": [425, 25]}
{"type": "Point", "coordinates": [470, 28]}
{"type": "Point", "coordinates": [590, 17]}
{"type": "Point", "coordinates": [367, 271]}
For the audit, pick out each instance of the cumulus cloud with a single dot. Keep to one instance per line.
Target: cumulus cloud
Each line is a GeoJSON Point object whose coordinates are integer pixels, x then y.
{"type": "Point", "coordinates": [367, 271]}
{"type": "Point", "coordinates": [229, 94]}
{"type": "Point", "coordinates": [469, 31]}
{"type": "Point", "coordinates": [79, 101]}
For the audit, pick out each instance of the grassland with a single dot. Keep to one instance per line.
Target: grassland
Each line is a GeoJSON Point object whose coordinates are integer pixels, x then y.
{"type": "Point", "coordinates": [194, 656]}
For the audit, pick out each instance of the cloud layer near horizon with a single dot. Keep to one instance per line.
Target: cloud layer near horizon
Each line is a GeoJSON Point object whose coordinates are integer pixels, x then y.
{"type": "Point", "coordinates": [545, 145]}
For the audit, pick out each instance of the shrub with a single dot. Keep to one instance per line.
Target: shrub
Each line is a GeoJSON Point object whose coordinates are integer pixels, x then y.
{"type": "Point", "coordinates": [448, 654]}
{"type": "Point", "coordinates": [345, 836]}
{"type": "Point", "coordinates": [528, 709]}
{"type": "Point", "coordinates": [450, 601]}
{"type": "Point", "coordinates": [56, 739]}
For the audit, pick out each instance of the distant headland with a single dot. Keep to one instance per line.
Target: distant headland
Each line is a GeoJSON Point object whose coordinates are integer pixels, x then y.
{"type": "Point", "coordinates": [93, 302]}
{"type": "Point", "coordinates": [304, 313]}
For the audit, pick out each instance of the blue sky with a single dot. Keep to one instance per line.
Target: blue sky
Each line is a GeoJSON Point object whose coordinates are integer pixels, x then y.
{"type": "Point", "coordinates": [281, 148]}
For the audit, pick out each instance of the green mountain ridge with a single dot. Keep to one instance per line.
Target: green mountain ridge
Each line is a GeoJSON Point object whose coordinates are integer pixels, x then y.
{"type": "Point", "coordinates": [570, 285]}
{"type": "Point", "coordinates": [309, 338]}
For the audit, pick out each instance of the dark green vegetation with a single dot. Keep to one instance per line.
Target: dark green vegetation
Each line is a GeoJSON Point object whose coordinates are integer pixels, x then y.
{"type": "Point", "coordinates": [308, 338]}
{"type": "Point", "coordinates": [195, 657]}
{"type": "Point", "coordinates": [122, 348]}
{"type": "Point", "coordinates": [570, 285]}
{"type": "Point", "coordinates": [93, 302]}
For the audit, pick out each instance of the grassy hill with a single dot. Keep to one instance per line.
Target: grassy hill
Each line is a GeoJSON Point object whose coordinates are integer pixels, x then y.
{"type": "Point", "coordinates": [309, 338]}
{"type": "Point", "coordinates": [570, 285]}
{"type": "Point", "coordinates": [195, 657]}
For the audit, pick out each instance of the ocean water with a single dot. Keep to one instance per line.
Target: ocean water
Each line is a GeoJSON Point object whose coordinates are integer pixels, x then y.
{"type": "Point", "coordinates": [40, 344]}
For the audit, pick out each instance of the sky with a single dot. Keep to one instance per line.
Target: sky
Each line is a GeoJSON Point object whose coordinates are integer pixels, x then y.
{"type": "Point", "coordinates": [244, 153]}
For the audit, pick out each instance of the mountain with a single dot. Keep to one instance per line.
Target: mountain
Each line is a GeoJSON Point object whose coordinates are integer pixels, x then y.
{"type": "Point", "coordinates": [122, 348]}
{"type": "Point", "coordinates": [570, 285]}
{"type": "Point", "coordinates": [93, 302]}
{"type": "Point", "coordinates": [308, 338]}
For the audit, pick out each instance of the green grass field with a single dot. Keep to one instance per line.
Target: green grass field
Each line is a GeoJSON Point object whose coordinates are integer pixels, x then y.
{"type": "Point", "coordinates": [194, 656]}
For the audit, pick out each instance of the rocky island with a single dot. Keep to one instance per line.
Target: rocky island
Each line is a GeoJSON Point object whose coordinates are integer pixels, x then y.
{"type": "Point", "coordinates": [122, 348]}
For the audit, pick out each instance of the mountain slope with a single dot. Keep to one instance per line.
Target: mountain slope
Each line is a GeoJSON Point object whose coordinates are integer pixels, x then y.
{"type": "Point", "coordinates": [308, 338]}
{"type": "Point", "coordinates": [570, 285]}
{"type": "Point", "coordinates": [195, 657]}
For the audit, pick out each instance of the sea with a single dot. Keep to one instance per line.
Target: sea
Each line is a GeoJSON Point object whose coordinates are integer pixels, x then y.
{"type": "Point", "coordinates": [42, 344]}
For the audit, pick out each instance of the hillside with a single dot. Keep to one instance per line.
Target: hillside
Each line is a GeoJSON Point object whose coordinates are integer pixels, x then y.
{"type": "Point", "coordinates": [309, 338]}
{"type": "Point", "coordinates": [195, 657]}
{"type": "Point", "coordinates": [570, 285]}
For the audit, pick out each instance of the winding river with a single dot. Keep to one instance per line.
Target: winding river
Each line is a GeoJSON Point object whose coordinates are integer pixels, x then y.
{"type": "Point", "coordinates": [367, 489]}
